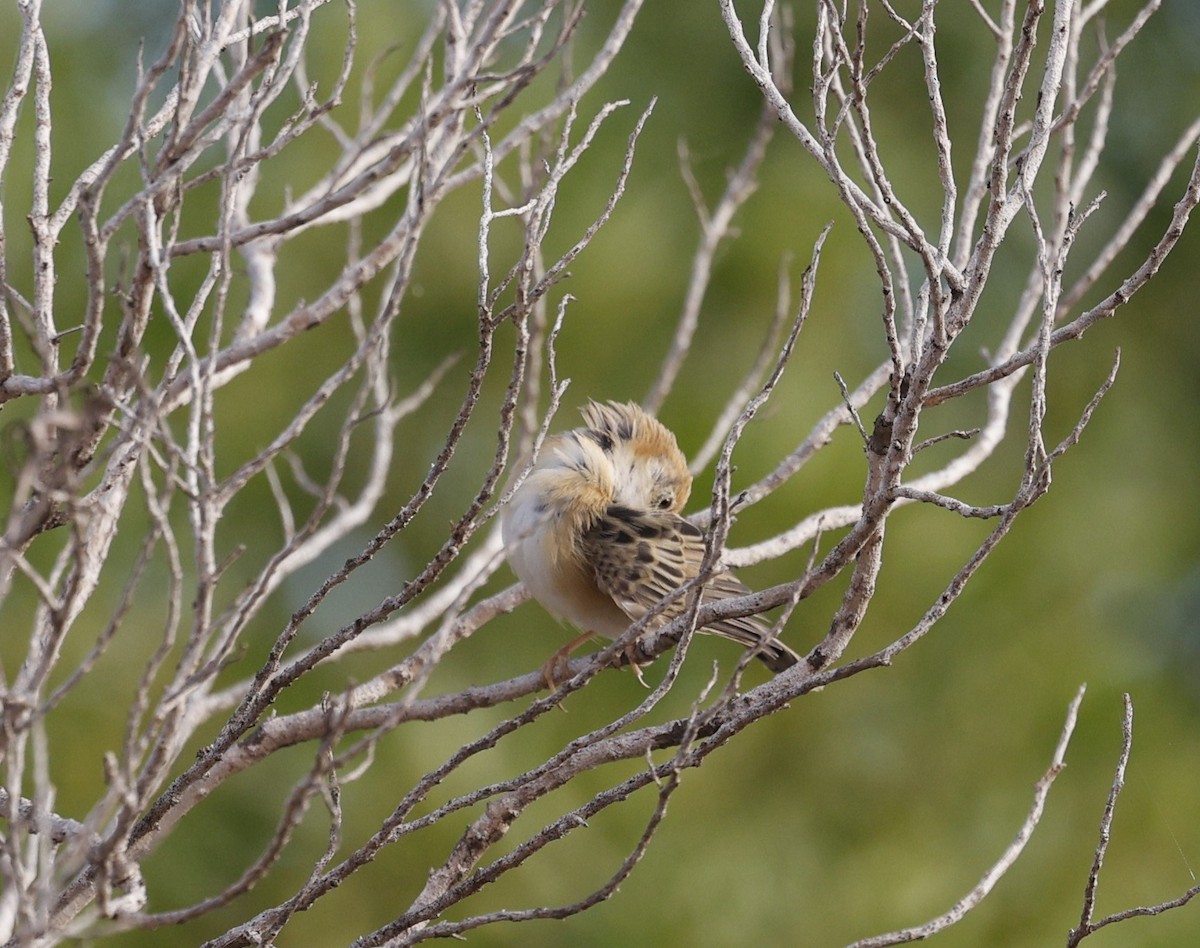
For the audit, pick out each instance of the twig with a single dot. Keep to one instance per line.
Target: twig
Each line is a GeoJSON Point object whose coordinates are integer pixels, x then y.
{"type": "Point", "coordinates": [969, 901]}
{"type": "Point", "coordinates": [1086, 925]}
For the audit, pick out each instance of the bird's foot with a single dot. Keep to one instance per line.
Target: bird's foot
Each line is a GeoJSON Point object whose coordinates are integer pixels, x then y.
{"type": "Point", "coordinates": [557, 670]}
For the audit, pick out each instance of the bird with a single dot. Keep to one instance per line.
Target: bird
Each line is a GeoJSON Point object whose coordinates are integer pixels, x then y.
{"type": "Point", "coordinates": [595, 533]}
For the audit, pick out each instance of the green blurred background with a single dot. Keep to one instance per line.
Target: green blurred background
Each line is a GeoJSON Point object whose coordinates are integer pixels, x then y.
{"type": "Point", "coordinates": [874, 804]}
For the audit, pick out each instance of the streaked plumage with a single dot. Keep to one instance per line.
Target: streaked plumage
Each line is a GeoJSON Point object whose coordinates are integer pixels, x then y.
{"type": "Point", "coordinates": [595, 532]}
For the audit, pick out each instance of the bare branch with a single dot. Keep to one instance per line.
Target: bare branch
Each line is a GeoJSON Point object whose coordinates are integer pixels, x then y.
{"type": "Point", "coordinates": [1086, 924]}
{"type": "Point", "coordinates": [266, 396]}
{"type": "Point", "coordinates": [969, 901]}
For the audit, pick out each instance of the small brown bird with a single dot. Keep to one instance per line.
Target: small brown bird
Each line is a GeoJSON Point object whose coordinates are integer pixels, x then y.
{"type": "Point", "coordinates": [595, 534]}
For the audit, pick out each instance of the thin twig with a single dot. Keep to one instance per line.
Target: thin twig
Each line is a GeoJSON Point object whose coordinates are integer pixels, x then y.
{"type": "Point", "coordinates": [1002, 865]}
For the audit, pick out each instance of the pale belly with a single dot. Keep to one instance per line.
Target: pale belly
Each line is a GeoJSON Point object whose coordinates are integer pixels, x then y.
{"type": "Point", "coordinates": [564, 587]}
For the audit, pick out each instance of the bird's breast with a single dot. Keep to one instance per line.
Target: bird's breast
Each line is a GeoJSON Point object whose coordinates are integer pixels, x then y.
{"type": "Point", "coordinates": [542, 545]}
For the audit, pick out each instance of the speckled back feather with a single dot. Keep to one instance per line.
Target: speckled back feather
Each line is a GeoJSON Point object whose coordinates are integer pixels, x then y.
{"type": "Point", "coordinates": [642, 557]}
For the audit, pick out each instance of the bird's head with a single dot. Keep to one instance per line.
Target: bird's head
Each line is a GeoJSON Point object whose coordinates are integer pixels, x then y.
{"type": "Point", "coordinates": [649, 470]}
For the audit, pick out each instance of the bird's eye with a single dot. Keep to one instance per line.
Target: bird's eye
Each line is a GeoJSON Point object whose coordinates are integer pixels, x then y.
{"type": "Point", "coordinates": [664, 502]}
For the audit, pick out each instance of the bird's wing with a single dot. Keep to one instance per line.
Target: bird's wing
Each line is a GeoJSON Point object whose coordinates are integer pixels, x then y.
{"type": "Point", "coordinates": [642, 556]}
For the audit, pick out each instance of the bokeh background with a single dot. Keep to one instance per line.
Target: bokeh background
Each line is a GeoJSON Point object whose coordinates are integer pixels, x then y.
{"type": "Point", "coordinates": [874, 804]}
